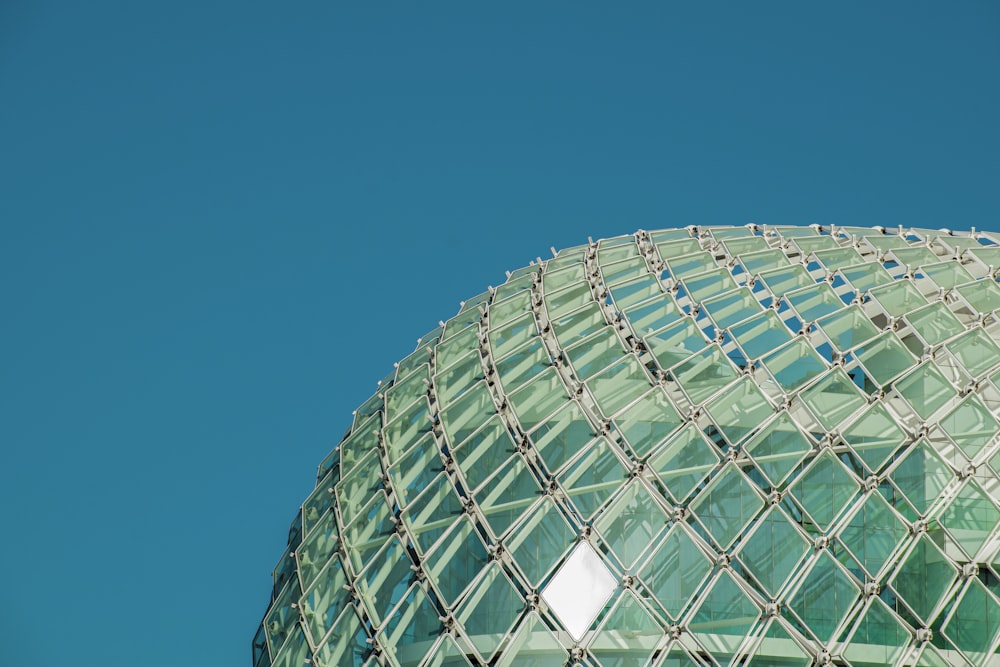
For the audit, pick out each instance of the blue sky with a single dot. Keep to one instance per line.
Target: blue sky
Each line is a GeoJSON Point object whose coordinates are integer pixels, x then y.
{"type": "Point", "coordinates": [222, 222]}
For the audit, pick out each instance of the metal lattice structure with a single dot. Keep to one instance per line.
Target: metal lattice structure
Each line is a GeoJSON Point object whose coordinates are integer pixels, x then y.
{"type": "Point", "coordinates": [704, 446]}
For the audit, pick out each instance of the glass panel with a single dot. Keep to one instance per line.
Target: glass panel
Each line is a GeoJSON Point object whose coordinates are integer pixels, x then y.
{"type": "Point", "coordinates": [899, 298]}
{"type": "Point", "coordinates": [924, 577]}
{"type": "Point", "coordinates": [416, 469]}
{"type": "Point", "coordinates": [533, 645]}
{"type": "Point", "coordinates": [974, 624]}
{"type": "Point", "coordinates": [726, 505]}
{"type": "Point", "coordinates": [808, 244]}
{"type": "Point", "coordinates": [655, 314]}
{"type": "Point", "coordinates": [595, 353]}
{"type": "Point", "coordinates": [700, 287]}
{"type": "Point", "coordinates": [634, 291]}
{"type": "Point", "coordinates": [456, 561]}
{"type": "Point", "coordinates": [921, 476]}
{"type": "Point", "coordinates": [794, 365]}
{"type": "Point", "coordinates": [736, 247]}
{"type": "Point", "coordinates": [505, 338]}
{"type": "Point", "coordinates": [453, 382]}
{"type": "Point", "coordinates": [728, 309]}
{"type": "Point", "coordinates": [704, 374]}
{"type": "Point", "coordinates": [346, 645]}
{"type": "Point", "coordinates": [779, 281]}
{"type": "Point", "coordinates": [839, 258]}
{"type": "Point", "coordinates": [866, 276]}
{"type": "Point", "coordinates": [874, 436]}
{"type": "Point", "coordinates": [971, 426]}
{"type": "Point", "coordinates": [873, 533]}
{"type": "Point", "coordinates": [445, 654]}
{"type": "Point", "coordinates": [761, 334]}
{"type": "Point", "coordinates": [677, 248]}
{"type": "Point", "coordinates": [522, 365]}
{"type": "Point", "coordinates": [825, 489]}
{"type": "Point", "coordinates": [740, 411]}
{"type": "Point", "coordinates": [914, 257]}
{"type": "Point", "coordinates": [766, 259]}
{"type": "Point", "coordinates": [778, 448]}
{"type": "Point", "coordinates": [464, 416]}
{"type": "Point", "coordinates": [724, 618]}
{"type": "Point", "coordinates": [579, 323]}
{"type": "Point", "coordinates": [484, 452]}
{"type": "Point", "coordinates": [885, 358]}
{"type": "Point", "coordinates": [538, 399]}
{"type": "Point", "coordinates": [592, 478]}
{"type": "Point", "coordinates": [833, 399]}
{"type": "Point", "coordinates": [562, 436]}
{"type": "Point", "coordinates": [778, 648]}
{"type": "Point", "coordinates": [814, 302]}
{"type": "Point", "coordinates": [676, 342]}
{"type": "Point", "coordinates": [934, 323]}
{"type": "Point", "coordinates": [368, 532]}
{"type": "Point", "coordinates": [977, 352]}
{"type": "Point", "coordinates": [384, 582]}
{"type": "Point", "coordinates": [541, 541]}
{"type": "Point", "coordinates": [490, 611]}
{"type": "Point", "coordinates": [628, 636]}
{"type": "Point", "coordinates": [878, 639]}
{"type": "Point", "coordinates": [412, 629]}
{"type": "Point", "coordinates": [983, 295]}
{"type": "Point", "coordinates": [675, 571]}
{"type": "Point", "coordinates": [619, 385]}
{"type": "Point", "coordinates": [631, 523]}
{"type": "Point", "coordinates": [925, 389]}
{"type": "Point", "coordinates": [646, 423]}
{"type": "Point", "coordinates": [566, 300]}
{"type": "Point", "coordinates": [690, 265]}
{"type": "Point", "coordinates": [684, 461]}
{"type": "Point", "coordinates": [848, 328]}
{"type": "Point", "coordinates": [432, 513]}
{"type": "Point", "coordinates": [619, 272]}
{"type": "Point", "coordinates": [773, 551]}
{"type": "Point", "coordinates": [579, 590]}
{"type": "Point", "coordinates": [971, 518]}
{"type": "Point", "coordinates": [946, 274]}
{"type": "Point", "coordinates": [507, 494]}
{"type": "Point", "coordinates": [824, 598]}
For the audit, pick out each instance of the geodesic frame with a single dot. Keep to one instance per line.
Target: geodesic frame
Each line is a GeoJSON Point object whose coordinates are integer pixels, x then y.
{"type": "Point", "coordinates": [778, 445]}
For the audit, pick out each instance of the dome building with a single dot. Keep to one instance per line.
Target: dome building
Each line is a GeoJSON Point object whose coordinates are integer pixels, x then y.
{"type": "Point", "coordinates": [705, 446]}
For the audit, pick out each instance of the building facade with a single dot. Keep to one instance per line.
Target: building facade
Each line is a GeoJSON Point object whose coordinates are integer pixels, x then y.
{"type": "Point", "coordinates": [700, 446]}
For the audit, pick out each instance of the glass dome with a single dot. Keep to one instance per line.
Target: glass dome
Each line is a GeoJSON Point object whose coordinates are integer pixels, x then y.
{"type": "Point", "coordinates": [701, 446]}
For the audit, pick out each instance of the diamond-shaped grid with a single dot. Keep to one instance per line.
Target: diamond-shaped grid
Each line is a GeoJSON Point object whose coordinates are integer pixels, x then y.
{"type": "Point", "coordinates": [778, 448]}
{"type": "Point", "coordinates": [631, 523]}
{"type": "Point", "coordinates": [675, 571]}
{"type": "Point", "coordinates": [824, 598]}
{"type": "Point", "coordinates": [773, 550]}
{"type": "Point", "coordinates": [825, 489]}
{"type": "Point", "coordinates": [923, 578]}
{"type": "Point", "coordinates": [727, 505]}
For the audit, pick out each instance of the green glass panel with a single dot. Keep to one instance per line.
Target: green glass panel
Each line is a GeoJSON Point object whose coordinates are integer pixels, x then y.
{"type": "Point", "coordinates": [934, 323]}
{"type": "Point", "coordinates": [971, 517]}
{"type": "Point", "coordinates": [814, 302]}
{"type": "Point", "coordinates": [628, 636]}
{"type": "Point", "coordinates": [765, 259]}
{"type": "Point", "coordinates": [594, 353]}
{"type": "Point", "coordinates": [914, 256]}
{"type": "Point", "coordinates": [761, 334]}
{"type": "Point", "coordinates": [778, 649]}
{"type": "Point", "coordinates": [703, 285]}
{"type": "Point", "coordinates": [878, 639]}
{"type": "Point", "coordinates": [874, 436]}
{"type": "Point", "coordinates": [539, 398]}
{"type": "Point", "coordinates": [824, 598]}
{"type": "Point", "coordinates": [924, 577]}
{"type": "Point", "coordinates": [404, 392]}
{"type": "Point", "coordinates": [736, 247]}
{"type": "Point", "coordinates": [704, 373]}
{"type": "Point", "coordinates": [873, 533]}
{"type": "Point", "coordinates": [559, 275]}
{"type": "Point", "coordinates": [848, 328]}
{"type": "Point", "coordinates": [724, 618]}
{"type": "Point", "coordinates": [592, 478]}
{"type": "Point", "coordinates": [619, 385]}
{"type": "Point", "coordinates": [974, 624]}
{"type": "Point", "coordinates": [825, 489]}
{"type": "Point", "coordinates": [654, 314]}
{"type": "Point", "coordinates": [482, 453]}
{"type": "Point", "coordinates": [282, 619]}
{"type": "Point", "coordinates": [617, 272]}
{"type": "Point", "coordinates": [885, 358]}
{"type": "Point", "coordinates": [977, 352]}
{"type": "Point", "coordinates": [354, 490]}
{"type": "Point", "coordinates": [362, 440]}
{"type": "Point", "coordinates": [631, 523]}
{"type": "Point", "coordinates": [866, 276]}
{"type": "Point", "coordinates": [677, 248]}
{"type": "Point", "coordinates": [885, 243]}
{"type": "Point", "coordinates": [833, 398]}
{"type": "Point", "coordinates": [511, 287]}
{"type": "Point", "coordinates": [676, 342]}
{"type": "Point", "coordinates": [368, 531]}
{"type": "Point", "coordinates": [562, 436]}
{"type": "Point", "coordinates": [778, 448]}
{"type": "Point", "coordinates": [382, 585]}
{"type": "Point", "coordinates": [508, 336]}
{"type": "Point", "coordinates": [684, 461]}
{"type": "Point", "coordinates": [675, 571]}
{"type": "Point", "coordinates": [432, 512]}
{"type": "Point", "coordinates": [740, 411]}
{"type": "Point", "coordinates": [727, 505]}
{"type": "Point", "coordinates": [629, 293]}
{"type": "Point", "coordinates": [295, 651]}
{"type": "Point", "coordinates": [490, 611]}
{"type": "Point", "coordinates": [779, 281]}
{"type": "Point", "coordinates": [541, 541]}
{"type": "Point", "coordinates": [416, 469]}
{"type": "Point", "coordinates": [925, 389]}
{"type": "Point", "coordinates": [521, 365]}
{"type": "Point", "coordinates": [507, 494]}
{"type": "Point", "coordinates": [579, 323]}
{"type": "Point", "coordinates": [404, 430]}
{"type": "Point", "coordinates": [794, 365]}
{"type": "Point", "coordinates": [567, 257]}
{"type": "Point", "coordinates": [984, 295]}
{"type": "Point", "coordinates": [412, 629]}
{"type": "Point", "coordinates": [839, 258]}
{"type": "Point", "coordinates": [689, 265]}
{"type": "Point", "coordinates": [899, 298]}
{"type": "Point", "coordinates": [773, 551]}
{"type": "Point", "coordinates": [678, 657]}
{"type": "Point", "coordinates": [646, 423]}
{"type": "Point", "coordinates": [533, 645]}
{"type": "Point", "coordinates": [568, 299]}
{"type": "Point", "coordinates": [808, 244]}
{"type": "Point", "coordinates": [446, 654]}
{"type": "Point", "coordinates": [458, 378]}
{"type": "Point", "coordinates": [971, 426]}
{"type": "Point", "coordinates": [732, 307]}
{"type": "Point", "coordinates": [456, 561]}
{"type": "Point", "coordinates": [946, 274]}
{"type": "Point", "coordinates": [346, 644]}
{"type": "Point", "coordinates": [457, 347]}
{"type": "Point", "coordinates": [921, 476]}
{"type": "Point", "coordinates": [464, 416]}
{"type": "Point", "coordinates": [317, 548]}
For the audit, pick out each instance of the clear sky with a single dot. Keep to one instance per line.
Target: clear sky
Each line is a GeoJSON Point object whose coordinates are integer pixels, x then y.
{"type": "Point", "coordinates": [223, 221]}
